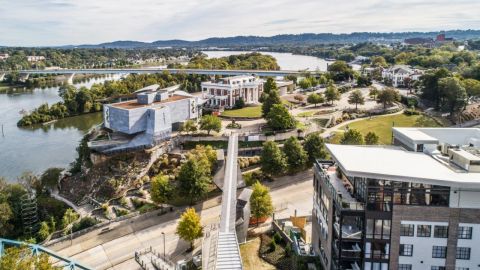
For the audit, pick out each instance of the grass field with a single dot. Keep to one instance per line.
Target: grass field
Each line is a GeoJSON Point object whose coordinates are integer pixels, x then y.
{"type": "Point", "coordinates": [250, 258]}
{"type": "Point", "coordinates": [251, 111]}
{"type": "Point", "coordinates": [382, 125]}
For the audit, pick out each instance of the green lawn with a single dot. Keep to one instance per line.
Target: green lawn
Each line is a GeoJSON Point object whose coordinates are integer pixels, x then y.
{"type": "Point", "coordinates": [382, 125]}
{"type": "Point", "coordinates": [251, 111]}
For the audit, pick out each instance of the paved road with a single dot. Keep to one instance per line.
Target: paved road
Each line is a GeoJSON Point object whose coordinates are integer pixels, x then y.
{"type": "Point", "coordinates": [115, 249]}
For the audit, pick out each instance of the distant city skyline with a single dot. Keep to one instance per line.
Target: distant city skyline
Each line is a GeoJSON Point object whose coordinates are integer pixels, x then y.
{"type": "Point", "coordinates": [64, 22]}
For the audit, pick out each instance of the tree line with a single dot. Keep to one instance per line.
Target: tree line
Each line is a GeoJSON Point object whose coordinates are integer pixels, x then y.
{"type": "Point", "coordinates": [83, 100]}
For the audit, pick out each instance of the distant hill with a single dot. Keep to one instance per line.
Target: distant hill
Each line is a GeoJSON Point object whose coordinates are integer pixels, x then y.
{"type": "Point", "coordinates": [288, 39]}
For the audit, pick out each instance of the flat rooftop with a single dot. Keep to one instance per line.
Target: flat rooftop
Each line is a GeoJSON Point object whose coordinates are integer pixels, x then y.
{"type": "Point", "coordinates": [453, 136]}
{"type": "Point", "coordinates": [396, 164]}
{"type": "Point", "coordinates": [133, 104]}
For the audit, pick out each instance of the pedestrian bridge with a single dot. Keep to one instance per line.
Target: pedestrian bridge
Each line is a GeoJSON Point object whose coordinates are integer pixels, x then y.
{"type": "Point", "coordinates": [222, 251]}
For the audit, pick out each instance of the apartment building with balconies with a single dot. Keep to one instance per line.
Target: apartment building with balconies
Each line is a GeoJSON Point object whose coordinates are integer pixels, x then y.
{"type": "Point", "coordinates": [398, 207]}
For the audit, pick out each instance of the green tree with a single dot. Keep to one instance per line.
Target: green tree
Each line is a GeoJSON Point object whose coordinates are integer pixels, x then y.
{"type": "Point", "coordinates": [472, 87]}
{"type": "Point", "coordinates": [305, 83]}
{"type": "Point", "coordinates": [189, 126]}
{"type": "Point", "coordinates": [454, 93]}
{"type": "Point", "coordinates": [269, 85]}
{"type": "Point", "coordinates": [352, 137]}
{"type": "Point", "coordinates": [272, 159]}
{"type": "Point", "coordinates": [295, 155]}
{"type": "Point", "coordinates": [69, 217]}
{"type": "Point", "coordinates": [193, 179]}
{"type": "Point", "coordinates": [260, 201]}
{"type": "Point", "coordinates": [189, 227]}
{"type": "Point", "coordinates": [210, 122]}
{"type": "Point", "coordinates": [271, 99]}
{"type": "Point", "coordinates": [371, 138]}
{"type": "Point", "coordinates": [429, 85]}
{"type": "Point", "coordinates": [161, 189]}
{"type": "Point", "coordinates": [44, 231]}
{"type": "Point", "coordinates": [388, 96]}
{"type": "Point", "coordinates": [315, 147]}
{"type": "Point", "coordinates": [315, 99]}
{"type": "Point", "coordinates": [356, 97]}
{"type": "Point", "coordinates": [279, 118]}
{"type": "Point", "coordinates": [379, 61]}
{"type": "Point", "coordinates": [332, 93]}
{"type": "Point", "coordinates": [373, 92]}
{"type": "Point", "coordinates": [5, 215]}
{"type": "Point", "coordinates": [22, 258]}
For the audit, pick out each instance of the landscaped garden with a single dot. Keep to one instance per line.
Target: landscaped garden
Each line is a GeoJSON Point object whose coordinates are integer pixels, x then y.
{"type": "Point", "coordinates": [382, 125]}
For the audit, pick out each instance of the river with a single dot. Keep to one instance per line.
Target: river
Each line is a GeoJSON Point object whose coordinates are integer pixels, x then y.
{"type": "Point", "coordinates": [41, 147]}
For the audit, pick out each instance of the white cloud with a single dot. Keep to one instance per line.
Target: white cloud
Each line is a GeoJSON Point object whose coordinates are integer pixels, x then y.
{"type": "Point", "coordinates": [59, 22]}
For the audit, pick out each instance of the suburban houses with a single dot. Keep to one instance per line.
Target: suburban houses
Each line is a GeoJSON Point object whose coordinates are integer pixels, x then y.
{"type": "Point", "coordinates": [412, 205]}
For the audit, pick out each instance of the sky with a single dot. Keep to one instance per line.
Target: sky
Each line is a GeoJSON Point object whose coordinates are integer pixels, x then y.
{"type": "Point", "coordinates": [66, 22]}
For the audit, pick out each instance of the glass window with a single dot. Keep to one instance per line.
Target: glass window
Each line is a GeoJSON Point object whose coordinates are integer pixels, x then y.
{"type": "Point", "coordinates": [438, 268]}
{"type": "Point", "coordinates": [463, 253]}
{"type": "Point", "coordinates": [424, 230]}
{"type": "Point", "coordinates": [464, 232]}
{"type": "Point", "coordinates": [406, 250]}
{"type": "Point", "coordinates": [407, 229]}
{"type": "Point", "coordinates": [404, 267]}
{"type": "Point", "coordinates": [439, 252]}
{"type": "Point", "coordinates": [440, 232]}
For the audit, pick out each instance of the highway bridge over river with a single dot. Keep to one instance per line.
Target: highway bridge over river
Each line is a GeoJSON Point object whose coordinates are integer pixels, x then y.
{"type": "Point", "coordinates": [223, 72]}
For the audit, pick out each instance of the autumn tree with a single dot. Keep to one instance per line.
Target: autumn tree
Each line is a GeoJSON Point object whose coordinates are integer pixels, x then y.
{"type": "Point", "coordinates": [189, 227]}
{"type": "Point", "coordinates": [161, 189]}
{"type": "Point", "coordinates": [22, 258]}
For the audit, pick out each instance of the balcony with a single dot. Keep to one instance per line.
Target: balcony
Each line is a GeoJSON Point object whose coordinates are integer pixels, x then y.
{"type": "Point", "coordinates": [339, 188]}
{"type": "Point", "coordinates": [349, 231]}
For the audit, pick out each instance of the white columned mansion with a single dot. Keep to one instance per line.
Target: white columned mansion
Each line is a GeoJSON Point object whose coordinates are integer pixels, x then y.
{"type": "Point", "coordinates": [224, 92]}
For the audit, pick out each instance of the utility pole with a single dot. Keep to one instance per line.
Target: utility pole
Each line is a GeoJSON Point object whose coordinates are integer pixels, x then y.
{"type": "Point", "coordinates": [164, 258]}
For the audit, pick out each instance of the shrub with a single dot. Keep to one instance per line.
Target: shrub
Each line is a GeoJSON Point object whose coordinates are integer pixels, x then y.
{"type": "Point", "coordinates": [272, 245]}
{"type": "Point", "coordinates": [411, 112]}
{"type": "Point", "coordinates": [277, 238]}
{"type": "Point", "coordinates": [84, 223]}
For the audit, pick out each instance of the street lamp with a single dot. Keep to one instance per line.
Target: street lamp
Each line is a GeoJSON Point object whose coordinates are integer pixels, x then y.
{"type": "Point", "coordinates": [164, 247]}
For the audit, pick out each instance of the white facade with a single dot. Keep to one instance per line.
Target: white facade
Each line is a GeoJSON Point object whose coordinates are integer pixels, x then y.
{"type": "Point", "coordinates": [4, 56]}
{"type": "Point", "coordinates": [398, 74]}
{"type": "Point", "coordinates": [32, 58]}
{"type": "Point", "coordinates": [474, 246]}
{"type": "Point", "coordinates": [421, 256]}
{"type": "Point", "coordinates": [226, 91]}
